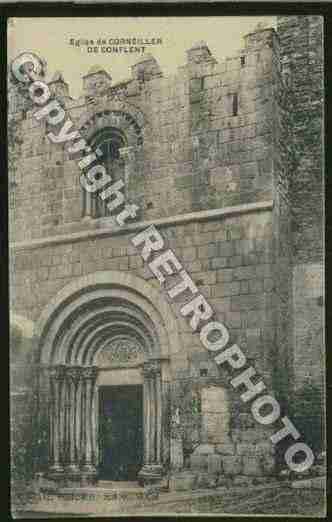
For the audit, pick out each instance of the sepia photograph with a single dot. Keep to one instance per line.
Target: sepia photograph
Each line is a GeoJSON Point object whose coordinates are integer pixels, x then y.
{"type": "Point", "coordinates": [166, 264]}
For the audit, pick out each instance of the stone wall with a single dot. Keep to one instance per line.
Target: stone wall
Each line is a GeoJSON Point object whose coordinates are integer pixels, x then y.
{"type": "Point", "coordinates": [201, 139]}
{"type": "Point", "coordinates": [283, 164]}
{"type": "Point", "coordinates": [231, 261]}
{"type": "Point", "coordinates": [301, 49]}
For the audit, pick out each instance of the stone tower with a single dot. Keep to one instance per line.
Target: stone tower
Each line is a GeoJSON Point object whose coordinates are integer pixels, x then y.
{"type": "Point", "coordinates": [226, 159]}
{"type": "Point", "coordinates": [301, 56]}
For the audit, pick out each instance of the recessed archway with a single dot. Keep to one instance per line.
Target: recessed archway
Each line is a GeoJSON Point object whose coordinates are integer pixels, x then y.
{"type": "Point", "coordinates": [94, 329]}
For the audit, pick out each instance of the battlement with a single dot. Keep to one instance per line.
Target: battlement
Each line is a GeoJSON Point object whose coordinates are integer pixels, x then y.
{"type": "Point", "coordinates": [202, 137]}
{"type": "Point", "coordinates": [199, 62]}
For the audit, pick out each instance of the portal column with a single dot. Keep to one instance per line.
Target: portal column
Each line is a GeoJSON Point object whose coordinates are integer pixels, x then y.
{"type": "Point", "coordinates": [158, 416]}
{"type": "Point", "coordinates": [147, 415]}
{"type": "Point", "coordinates": [95, 449]}
{"type": "Point", "coordinates": [89, 377]}
{"type": "Point", "coordinates": [152, 470]}
{"type": "Point", "coordinates": [72, 378]}
{"type": "Point", "coordinates": [79, 417]}
{"type": "Point", "coordinates": [56, 381]}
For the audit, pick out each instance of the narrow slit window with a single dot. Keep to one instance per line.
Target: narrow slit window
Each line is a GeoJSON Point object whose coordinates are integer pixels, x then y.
{"type": "Point", "coordinates": [243, 61]}
{"type": "Point", "coordinates": [235, 104]}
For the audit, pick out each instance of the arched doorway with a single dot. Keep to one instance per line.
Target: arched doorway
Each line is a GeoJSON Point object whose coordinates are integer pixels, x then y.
{"type": "Point", "coordinates": [102, 340]}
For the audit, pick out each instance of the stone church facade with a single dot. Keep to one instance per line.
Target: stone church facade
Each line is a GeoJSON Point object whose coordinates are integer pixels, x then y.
{"type": "Point", "coordinates": [226, 160]}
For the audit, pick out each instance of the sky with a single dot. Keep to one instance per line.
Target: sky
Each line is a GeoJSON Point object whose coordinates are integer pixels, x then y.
{"type": "Point", "coordinates": [50, 37]}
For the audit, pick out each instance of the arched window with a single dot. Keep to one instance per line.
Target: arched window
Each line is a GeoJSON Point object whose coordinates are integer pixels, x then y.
{"type": "Point", "coordinates": [109, 141]}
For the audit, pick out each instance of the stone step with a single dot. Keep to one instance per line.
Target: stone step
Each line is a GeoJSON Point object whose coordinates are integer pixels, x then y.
{"type": "Point", "coordinates": [165, 502]}
{"type": "Point", "coordinates": [103, 490]}
{"type": "Point", "coordinates": [99, 493]}
{"type": "Point", "coordinates": [118, 485]}
{"type": "Point", "coordinates": [311, 483]}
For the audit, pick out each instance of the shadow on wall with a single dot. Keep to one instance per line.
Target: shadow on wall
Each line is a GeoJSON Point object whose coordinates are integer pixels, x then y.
{"type": "Point", "coordinates": [308, 415]}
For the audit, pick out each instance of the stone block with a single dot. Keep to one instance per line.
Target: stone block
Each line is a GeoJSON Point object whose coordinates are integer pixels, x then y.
{"type": "Point", "coordinates": [205, 238]}
{"type": "Point", "coordinates": [313, 483]}
{"type": "Point", "coordinates": [205, 290]}
{"type": "Point", "coordinates": [250, 435]}
{"type": "Point", "coordinates": [244, 246]}
{"type": "Point", "coordinates": [247, 302]}
{"type": "Point", "coordinates": [226, 289]}
{"type": "Point", "coordinates": [318, 469]}
{"type": "Point", "coordinates": [226, 448]}
{"type": "Point", "coordinates": [220, 234]}
{"type": "Point", "coordinates": [221, 305]}
{"type": "Point", "coordinates": [247, 421]}
{"type": "Point", "coordinates": [199, 462]}
{"type": "Point", "coordinates": [176, 454]}
{"type": "Point", "coordinates": [151, 492]}
{"type": "Point", "coordinates": [253, 337]}
{"type": "Point", "coordinates": [245, 448]}
{"type": "Point", "coordinates": [135, 262]}
{"type": "Point", "coordinates": [184, 481]}
{"type": "Point", "coordinates": [213, 433]}
{"type": "Point", "coordinates": [253, 318]}
{"type": "Point", "coordinates": [242, 480]}
{"type": "Point", "coordinates": [235, 261]}
{"type": "Point", "coordinates": [189, 254]}
{"type": "Point", "coordinates": [207, 251]}
{"type": "Point", "coordinates": [264, 270]}
{"type": "Point", "coordinates": [204, 449]}
{"type": "Point", "coordinates": [225, 248]}
{"type": "Point", "coordinates": [205, 480]}
{"type": "Point", "coordinates": [232, 465]}
{"type": "Point", "coordinates": [244, 289]}
{"type": "Point", "coordinates": [224, 275]}
{"type": "Point", "coordinates": [252, 466]}
{"type": "Point", "coordinates": [214, 463]}
{"type": "Point", "coordinates": [250, 259]}
{"type": "Point", "coordinates": [244, 272]}
{"type": "Point", "coordinates": [215, 393]}
{"type": "Point", "coordinates": [182, 182]}
{"type": "Point", "coordinates": [194, 266]}
{"type": "Point", "coordinates": [233, 319]}
{"type": "Point", "coordinates": [208, 278]}
{"type": "Point", "coordinates": [268, 285]}
{"type": "Point", "coordinates": [219, 262]}
{"type": "Point", "coordinates": [255, 286]}
{"type": "Point", "coordinates": [215, 405]}
{"type": "Point", "coordinates": [268, 464]}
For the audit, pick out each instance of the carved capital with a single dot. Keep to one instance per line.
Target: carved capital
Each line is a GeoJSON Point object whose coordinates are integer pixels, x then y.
{"type": "Point", "coordinates": [74, 373]}
{"type": "Point", "coordinates": [89, 372]}
{"type": "Point", "coordinates": [58, 372]}
{"type": "Point", "coordinates": [151, 369]}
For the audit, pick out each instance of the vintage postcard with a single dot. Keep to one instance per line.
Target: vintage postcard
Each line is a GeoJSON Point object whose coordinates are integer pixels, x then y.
{"type": "Point", "coordinates": [166, 226]}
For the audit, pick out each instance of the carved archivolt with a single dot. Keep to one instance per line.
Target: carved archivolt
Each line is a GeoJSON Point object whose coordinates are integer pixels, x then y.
{"type": "Point", "coordinates": [90, 312]}
{"type": "Point", "coordinates": [131, 124]}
